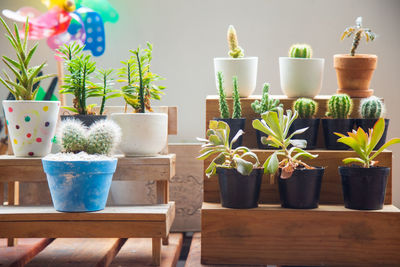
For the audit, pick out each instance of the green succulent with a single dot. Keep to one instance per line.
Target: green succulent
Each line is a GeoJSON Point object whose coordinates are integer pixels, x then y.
{"type": "Point", "coordinates": [358, 32]}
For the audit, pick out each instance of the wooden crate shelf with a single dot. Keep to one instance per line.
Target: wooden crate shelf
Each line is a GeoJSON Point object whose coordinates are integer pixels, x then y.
{"type": "Point", "coordinates": [328, 236]}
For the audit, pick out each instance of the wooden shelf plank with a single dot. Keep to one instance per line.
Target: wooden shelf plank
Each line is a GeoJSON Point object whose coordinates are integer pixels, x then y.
{"type": "Point", "coordinates": [329, 235]}
{"type": "Point", "coordinates": [23, 169]}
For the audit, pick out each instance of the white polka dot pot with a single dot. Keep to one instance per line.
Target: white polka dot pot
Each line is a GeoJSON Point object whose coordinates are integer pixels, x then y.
{"type": "Point", "coordinates": [31, 126]}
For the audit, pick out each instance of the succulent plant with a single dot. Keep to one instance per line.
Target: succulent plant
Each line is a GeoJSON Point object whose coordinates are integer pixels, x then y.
{"type": "Point", "coordinates": [267, 103]}
{"type": "Point", "coordinates": [372, 108]}
{"type": "Point", "coordinates": [305, 107]}
{"type": "Point", "coordinates": [339, 106]}
{"type": "Point", "coordinates": [235, 51]}
{"type": "Point", "coordinates": [223, 105]}
{"type": "Point", "coordinates": [72, 135]}
{"type": "Point", "coordinates": [237, 107]}
{"type": "Point", "coordinates": [358, 32]}
{"type": "Point", "coordinates": [300, 51]}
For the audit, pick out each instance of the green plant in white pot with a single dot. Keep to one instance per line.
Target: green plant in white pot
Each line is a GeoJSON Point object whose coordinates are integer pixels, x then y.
{"type": "Point", "coordinates": [244, 68]}
{"type": "Point", "coordinates": [143, 133]}
{"type": "Point", "coordinates": [31, 124]}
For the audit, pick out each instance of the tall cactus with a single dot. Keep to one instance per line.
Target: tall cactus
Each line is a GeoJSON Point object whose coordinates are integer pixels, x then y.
{"type": "Point", "coordinates": [267, 103]}
{"type": "Point", "coordinates": [339, 106]}
{"type": "Point", "coordinates": [223, 105]}
{"type": "Point", "coordinates": [235, 51]}
{"type": "Point", "coordinates": [237, 108]}
{"type": "Point", "coordinates": [306, 107]}
{"type": "Point", "coordinates": [300, 51]}
{"type": "Point", "coordinates": [372, 108]}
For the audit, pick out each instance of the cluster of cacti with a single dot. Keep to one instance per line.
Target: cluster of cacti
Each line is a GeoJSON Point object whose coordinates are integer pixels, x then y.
{"type": "Point", "coordinates": [237, 107]}
{"type": "Point", "coordinates": [372, 108]}
{"type": "Point", "coordinates": [235, 50]}
{"type": "Point", "coordinates": [300, 51]}
{"type": "Point", "coordinates": [101, 138]}
{"type": "Point", "coordinates": [339, 106]}
{"type": "Point", "coordinates": [305, 107]}
{"type": "Point", "coordinates": [358, 32]}
{"type": "Point", "coordinates": [223, 105]}
{"type": "Point", "coordinates": [267, 103]}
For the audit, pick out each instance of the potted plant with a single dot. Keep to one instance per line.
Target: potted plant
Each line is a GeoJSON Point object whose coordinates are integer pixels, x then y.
{"type": "Point", "coordinates": [235, 123]}
{"type": "Point", "coordinates": [244, 68]}
{"type": "Point", "coordinates": [267, 103]}
{"type": "Point", "coordinates": [364, 186]}
{"type": "Point", "coordinates": [299, 184]}
{"type": "Point", "coordinates": [31, 124]}
{"type": "Point", "coordinates": [306, 108]}
{"type": "Point", "coordinates": [339, 108]}
{"type": "Point", "coordinates": [354, 72]}
{"type": "Point", "coordinates": [80, 176]}
{"type": "Point", "coordinates": [371, 109]}
{"type": "Point", "coordinates": [143, 133]}
{"type": "Point", "coordinates": [238, 175]}
{"type": "Point", "coordinates": [301, 75]}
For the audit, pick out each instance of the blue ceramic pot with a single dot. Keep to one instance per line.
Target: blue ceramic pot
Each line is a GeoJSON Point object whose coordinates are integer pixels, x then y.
{"type": "Point", "coordinates": [79, 186]}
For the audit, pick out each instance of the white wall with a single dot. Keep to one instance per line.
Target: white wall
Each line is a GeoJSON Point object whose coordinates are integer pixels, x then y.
{"type": "Point", "coordinates": [187, 34]}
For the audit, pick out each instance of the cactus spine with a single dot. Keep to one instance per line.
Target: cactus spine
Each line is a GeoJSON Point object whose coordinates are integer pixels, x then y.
{"type": "Point", "coordinates": [305, 107]}
{"type": "Point", "coordinates": [237, 108]}
{"type": "Point", "coordinates": [71, 134]}
{"type": "Point", "coordinates": [300, 51]}
{"type": "Point", "coordinates": [371, 108]}
{"type": "Point", "coordinates": [339, 106]}
{"type": "Point", "coordinates": [235, 51]}
{"type": "Point", "coordinates": [223, 105]}
{"type": "Point", "coordinates": [266, 103]}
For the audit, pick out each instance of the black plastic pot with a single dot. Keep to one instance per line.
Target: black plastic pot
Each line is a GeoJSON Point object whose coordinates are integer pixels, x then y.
{"type": "Point", "coordinates": [302, 189]}
{"type": "Point", "coordinates": [366, 124]}
{"type": "Point", "coordinates": [235, 125]}
{"type": "Point", "coordinates": [87, 120]}
{"type": "Point", "coordinates": [310, 135]}
{"type": "Point", "coordinates": [336, 125]}
{"type": "Point", "coordinates": [238, 191]}
{"type": "Point", "coordinates": [364, 188]}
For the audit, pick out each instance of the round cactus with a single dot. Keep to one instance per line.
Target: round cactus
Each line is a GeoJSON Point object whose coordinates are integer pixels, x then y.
{"type": "Point", "coordinates": [372, 108]}
{"type": "Point", "coordinates": [235, 51]}
{"type": "Point", "coordinates": [339, 106]}
{"type": "Point", "coordinates": [103, 137]}
{"type": "Point", "coordinates": [306, 107]}
{"type": "Point", "coordinates": [72, 136]}
{"type": "Point", "coordinates": [300, 51]}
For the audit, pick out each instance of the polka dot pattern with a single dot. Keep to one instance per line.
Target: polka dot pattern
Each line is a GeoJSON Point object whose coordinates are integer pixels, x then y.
{"type": "Point", "coordinates": [27, 119]}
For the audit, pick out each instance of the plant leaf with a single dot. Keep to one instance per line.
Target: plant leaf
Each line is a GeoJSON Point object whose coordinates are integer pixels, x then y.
{"type": "Point", "coordinates": [300, 143]}
{"type": "Point", "coordinates": [351, 160]}
{"type": "Point", "coordinates": [376, 135]}
{"type": "Point", "coordinates": [244, 167]}
{"type": "Point", "coordinates": [236, 137]}
{"type": "Point", "coordinates": [387, 144]}
{"type": "Point", "coordinates": [271, 164]}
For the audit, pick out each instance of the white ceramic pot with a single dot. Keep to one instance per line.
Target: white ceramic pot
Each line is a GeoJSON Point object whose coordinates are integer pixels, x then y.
{"type": "Point", "coordinates": [301, 77]}
{"type": "Point", "coordinates": [143, 134]}
{"type": "Point", "coordinates": [31, 126]}
{"type": "Point", "coordinates": [244, 68]}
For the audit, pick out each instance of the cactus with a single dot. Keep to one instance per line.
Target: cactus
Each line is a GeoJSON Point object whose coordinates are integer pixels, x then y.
{"type": "Point", "coordinates": [266, 103]}
{"type": "Point", "coordinates": [235, 51]}
{"type": "Point", "coordinates": [237, 108]}
{"type": "Point", "coordinates": [223, 105]}
{"type": "Point", "coordinates": [306, 107]}
{"type": "Point", "coordinates": [103, 137]}
{"type": "Point", "coordinates": [339, 106]}
{"type": "Point", "coordinates": [358, 32]}
{"type": "Point", "coordinates": [300, 51]}
{"type": "Point", "coordinates": [71, 134]}
{"type": "Point", "coordinates": [372, 108]}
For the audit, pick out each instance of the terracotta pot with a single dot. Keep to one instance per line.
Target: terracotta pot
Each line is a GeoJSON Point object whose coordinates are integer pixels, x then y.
{"type": "Point", "coordinates": [354, 74]}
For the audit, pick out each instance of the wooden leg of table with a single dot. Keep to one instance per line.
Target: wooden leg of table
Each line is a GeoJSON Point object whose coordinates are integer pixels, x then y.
{"type": "Point", "coordinates": [156, 246]}
{"type": "Point", "coordinates": [1, 194]}
{"type": "Point", "coordinates": [163, 197]}
{"type": "Point", "coordinates": [13, 199]}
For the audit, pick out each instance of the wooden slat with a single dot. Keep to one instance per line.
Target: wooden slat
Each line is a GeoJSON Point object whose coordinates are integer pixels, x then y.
{"type": "Point", "coordinates": [331, 190]}
{"type": "Point", "coordinates": [156, 251]}
{"type": "Point", "coordinates": [1, 193]}
{"type": "Point", "coordinates": [13, 193]}
{"type": "Point", "coordinates": [78, 252]}
{"type": "Point", "coordinates": [172, 120]}
{"type": "Point", "coordinates": [136, 252]}
{"type": "Point", "coordinates": [329, 235]}
{"type": "Point", "coordinates": [160, 167]}
{"type": "Point", "coordinates": [19, 255]}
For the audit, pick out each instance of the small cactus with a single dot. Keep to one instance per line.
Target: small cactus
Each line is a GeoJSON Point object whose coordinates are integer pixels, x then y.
{"type": "Point", "coordinates": [358, 32]}
{"type": "Point", "coordinates": [305, 107]}
{"type": "Point", "coordinates": [372, 108]}
{"type": "Point", "coordinates": [223, 105]}
{"type": "Point", "coordinates": [237, 108]}
{"type": "Point", "coordinates": [267, 103]}
{"type": "Point", "coordinates": [72, 136]}
{"type": "Point", "coordinates": [103, 137]}
{"type": "Point", "coordinates": [300, 51]}
{"type": "Point", "coordinates": [339, 106]}
{"type": "Point", "coordinates": [235, 51]}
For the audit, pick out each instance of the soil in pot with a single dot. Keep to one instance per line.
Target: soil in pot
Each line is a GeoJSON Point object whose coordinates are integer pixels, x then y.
{"type": "Point", "coordinates": [364, 188]}
{"type": "Point", "coordinates": [366, 124]}
{"type": "Point", "coordinates": [239, 191]}
{"type": "Point", "coordinates": [87, 120]}
{"type": "Point", "coordinates": [302, 189]}
{"type": "Point", "coordinates": [310, 135]}
{"type": "Point", "coordinates": [330, 126]}
{"type": "Point", "coordinates": [235, 125]}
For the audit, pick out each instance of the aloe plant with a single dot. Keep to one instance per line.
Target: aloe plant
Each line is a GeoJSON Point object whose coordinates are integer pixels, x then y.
{"type": "Point", "coordinates": [364, 143]}
{"type": "Point", "coordinates": [217, 142]}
